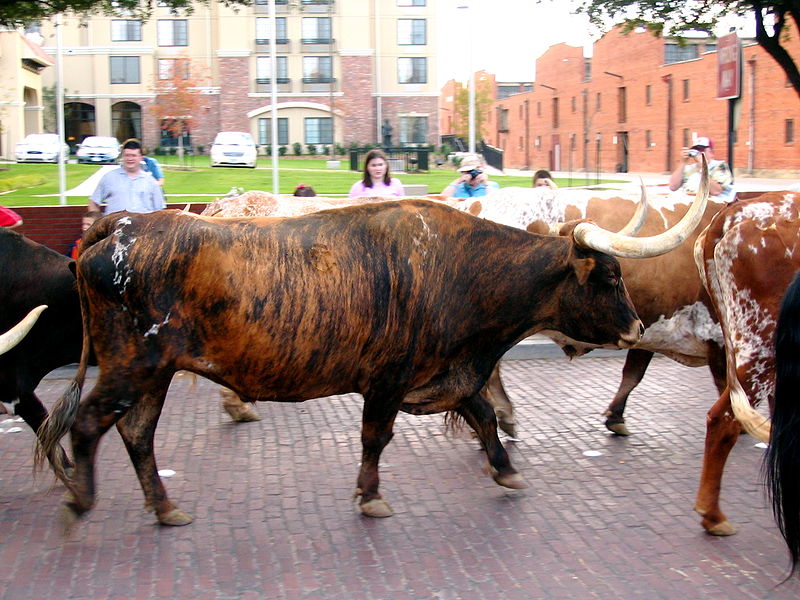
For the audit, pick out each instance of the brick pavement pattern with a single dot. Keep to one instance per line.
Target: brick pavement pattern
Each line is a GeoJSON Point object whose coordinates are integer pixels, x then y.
{"type": "Point", "coordinates": [275, 517]}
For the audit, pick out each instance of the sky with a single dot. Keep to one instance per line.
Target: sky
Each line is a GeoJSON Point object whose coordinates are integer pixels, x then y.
{"type": "Point", "coordinates": [506, 36]}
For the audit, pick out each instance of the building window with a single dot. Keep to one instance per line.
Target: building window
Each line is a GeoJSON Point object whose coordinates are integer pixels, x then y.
{"type": "Point", "coordinates": [587, 69]}
{"type": "Point", "coordinates": [674, 52]}
{"type": "Point", "coordinates": [597, 102]}
{"type": "Point", "coordinates": [622, 104]}
{"type": "Point", "coordinates": [168, 138]}
{"type": "Point", "coordinates": [316, 30]}
{"type": "Point", "coordinates": [410, 2]}
{"type": "Point", "coordinates": [262, 30]}
{"type": "Point", "coordinates": [265, 131]}
{"type": "Point", "coordinates": [317, 69]}
{"type": "Point", "coordinates": [686, 138]}
{"type": "Point", "coordinates": [167, 66]}
{"type": "Point", "coordinates": [648, 95]}
{"type": "Point", "coordinates": [572, 104]}
{"type": "Point", "coordinates": [538, 109]}
{"type": "Point", "coordinates": [411, 32]}
{"type": "Point", "coordinates": [412, 70]}
{"type": "Point", "coordinates": [685, 88]}
{"type": "Point", "coordinates": [173, 32]}
{"type": "Point", "coordinates": [123, 30]}
{"type": "Point", "coordinates": [319, 130]}
{"type": "Point", "coordinates": [502, 120]}
{"type": "Point", "coordinates": [555, 113]}
{"type": "Point", "coordinates": [264, 71]}
{"type": "Point", "coordinates": [124, 69]}
{"type": "Point", "coordinates": [413, 130]}
{"type": "Point", "coordinates": [789, 132]}
{"type": "Point", "coordinates": [648, 139]}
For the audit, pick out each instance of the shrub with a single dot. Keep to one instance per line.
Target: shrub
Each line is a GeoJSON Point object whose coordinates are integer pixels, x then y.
{"type": "Point", "coordinates": [282, 150]}
{"type": "Point", "coordinates": [312, 149]}
{"type": "Point", "coordinates": [19, 182]}
{"type": "Point", "coordinates": [297, 148]}
{"type": "Point", "coordinates": [339, 149]}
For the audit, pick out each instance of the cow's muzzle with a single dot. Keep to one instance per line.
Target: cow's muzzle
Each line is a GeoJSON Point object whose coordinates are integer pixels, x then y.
{"type": "Point", "coordinates": [635, 333]}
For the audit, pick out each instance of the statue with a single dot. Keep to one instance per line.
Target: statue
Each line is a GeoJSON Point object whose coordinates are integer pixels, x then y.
{"type": "Point", "coordinates": [386, 132]}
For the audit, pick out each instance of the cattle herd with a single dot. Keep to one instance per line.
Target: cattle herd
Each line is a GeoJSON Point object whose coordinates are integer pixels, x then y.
{"type": "Point", "coordinates": [410, 303]}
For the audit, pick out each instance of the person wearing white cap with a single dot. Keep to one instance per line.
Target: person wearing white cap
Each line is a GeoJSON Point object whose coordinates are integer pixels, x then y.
{"type": "Point", "coordinates": [473, 182]}
{"type": "Point", "coordinates": [686, 176]}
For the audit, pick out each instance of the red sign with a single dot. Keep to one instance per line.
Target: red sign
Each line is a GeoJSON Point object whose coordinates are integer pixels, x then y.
{"type": "Point", "coordinates": [729, 67]}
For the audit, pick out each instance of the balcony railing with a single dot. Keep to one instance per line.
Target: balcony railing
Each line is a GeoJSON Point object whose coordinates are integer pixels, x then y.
{"type": "Point", "coordinates": [268, 80]}
{"type": "Point", "coordinates": [278, 41]}
{"type": "Point", "coordinates": [264, 85]}
{"type": "Point", "coordinates": [319, 80]}
{"type": "Point", "coordinates": [317, 6]}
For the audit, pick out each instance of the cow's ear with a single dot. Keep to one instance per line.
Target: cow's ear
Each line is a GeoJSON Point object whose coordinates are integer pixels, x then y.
{"type": "Point", "coordinates": [73, 267]}
{"type": "Point", "coordinates": [583, 268]}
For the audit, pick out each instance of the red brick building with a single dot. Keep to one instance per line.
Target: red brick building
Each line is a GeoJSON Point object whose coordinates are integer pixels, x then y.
{"type": "Point", "coordinates": [638, 101]}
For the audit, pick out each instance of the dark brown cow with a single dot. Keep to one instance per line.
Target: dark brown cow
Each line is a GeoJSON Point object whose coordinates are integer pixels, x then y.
{"type": "Point", "coordinates": [33, 275]}
{"type": "Point", "coordinates": [666, 290]}
{"type": "Point", "coordinates": [746, 257]}
{"type": "Point", "coordinates": [392, 301]}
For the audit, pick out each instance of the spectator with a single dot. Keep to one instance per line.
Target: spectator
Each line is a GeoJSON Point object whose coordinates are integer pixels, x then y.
{"type": "Point", "coordinates": [473, 182]}
{"type": "Point", "coordinates": [9, 218]}
{"type": "Point", "coordinates": [376, 180]}
{"type": "Point", "coordinates": [687, 175]}
{"type": "Point", "coordinates": [151, 165]}
{"type": "Point", "coordinates": [304, 191]}
{"type": "Point", "coordinates": [87, 221]}
{"type": "Point", "coordinates": [543, 178]}
{"type": "Point", "coordinates": [128, 187]}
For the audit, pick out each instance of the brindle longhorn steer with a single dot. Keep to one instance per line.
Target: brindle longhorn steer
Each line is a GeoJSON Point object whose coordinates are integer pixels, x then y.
{"type": "Point", "coordinates": [393, 301]}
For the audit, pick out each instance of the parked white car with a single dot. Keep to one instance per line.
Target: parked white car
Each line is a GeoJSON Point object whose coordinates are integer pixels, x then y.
{"type": "Point", "coordinates": [233, 149]}
{"type": "Point", "coordinates": [98, 149]}
{"type": "Point", "coordinates": [40, 147]}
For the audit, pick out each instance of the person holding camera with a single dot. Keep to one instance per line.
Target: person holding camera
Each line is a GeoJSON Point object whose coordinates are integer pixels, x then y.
{"type": "Point", "coordinates": [473, 181]}
{"type": "Point", "coordinates": [686, 176]}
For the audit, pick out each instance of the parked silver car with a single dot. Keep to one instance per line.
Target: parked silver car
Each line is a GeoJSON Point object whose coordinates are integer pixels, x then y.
{"type": "Point", "coordinates": [40, 147]}
{"type": "Point", "coordinates": [98, 149]}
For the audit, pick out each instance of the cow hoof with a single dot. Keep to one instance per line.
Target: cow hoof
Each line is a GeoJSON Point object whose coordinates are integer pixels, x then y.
{"type": "Point", "coordinates": [175, 518]}
{"type": "Point", "coordinates": [241, 413]}
{"type": "Point", "coordinates": [377, 507]}
{"type": "Point", "coordinates": [618, 428]}
{"type": "Point", "coordinates": [509, 427]}
{"type": "Point", "coordinates": [722, 529]}
{"type": "Point", "coordinates": [511, 480]}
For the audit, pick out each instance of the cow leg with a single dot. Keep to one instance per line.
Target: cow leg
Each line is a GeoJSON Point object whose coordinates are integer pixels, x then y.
{"type": "Point", "coordinates": [33, 412]}
{"type": "Point", "coordinates": [495, 394]}
{"type": "Point", "coordinates": [636, 363]}
{"type": "Point", "coordinates": [722, 431]}
{"type": "Point", "coordinates": [376, 432]}
{"type": "Point", "coordinates": [138, 428]}
{"type": "Point", "coordinates": [239, 411]}
{"type": "Point", "coordinates": [480, 416]}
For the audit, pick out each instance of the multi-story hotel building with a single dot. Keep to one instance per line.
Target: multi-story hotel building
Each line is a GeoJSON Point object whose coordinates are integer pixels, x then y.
{"type": "Point", "coordinates": [343, 68]}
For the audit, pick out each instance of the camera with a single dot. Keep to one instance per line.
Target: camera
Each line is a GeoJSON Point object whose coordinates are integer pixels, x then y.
{"type": "Point", "coordinates": [692, 153]}
{"type": "Point", "coordinates": [474, 173]}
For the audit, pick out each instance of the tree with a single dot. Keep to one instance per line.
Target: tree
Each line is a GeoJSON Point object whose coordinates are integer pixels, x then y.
{"type": "Point", "coordinates": [674, 18]}
{"type": "Point", "coordinates": [178, 98]}
{"type": "Point", "coordinates": [16, 13]}
{"type": "Point", "coordinates": [483, 103]}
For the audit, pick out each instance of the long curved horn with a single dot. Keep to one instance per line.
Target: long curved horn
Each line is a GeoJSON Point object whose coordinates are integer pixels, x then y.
{"type": "Point", "coordinates": [590, 235]}
{"type": "Point", "coordinates": [636, 223]}
{"type": "Point", "coordinates": [14, 336]}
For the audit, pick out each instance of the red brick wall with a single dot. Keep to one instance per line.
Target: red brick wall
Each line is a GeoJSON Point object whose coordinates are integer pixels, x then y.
{"type": "Point", "coordinates": [638, 58]}
{"type": "Point", "coordinates": [58, 226]}
{"type": "Point", "coordinates": [357, 103]}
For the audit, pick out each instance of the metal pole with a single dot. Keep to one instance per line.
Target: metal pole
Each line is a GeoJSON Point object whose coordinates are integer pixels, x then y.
{"type": "Point", "coordinates": [62, 174]}
{"type": "Point", "coordinates": [273, 85]}
{"type": "Point", "coordinates": [471, 98]}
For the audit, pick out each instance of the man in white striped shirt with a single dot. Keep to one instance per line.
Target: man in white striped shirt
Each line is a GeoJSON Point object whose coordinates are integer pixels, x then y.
{"type": "Point", "coordinates": [129, 187]}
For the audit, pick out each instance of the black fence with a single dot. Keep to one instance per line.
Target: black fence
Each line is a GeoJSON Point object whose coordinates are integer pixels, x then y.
{"type": "Point", "coordinates": [401, 160]}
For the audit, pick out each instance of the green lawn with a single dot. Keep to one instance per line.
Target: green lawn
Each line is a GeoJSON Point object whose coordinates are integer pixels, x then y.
{"type": "Point", "coordinates": [199, 178]}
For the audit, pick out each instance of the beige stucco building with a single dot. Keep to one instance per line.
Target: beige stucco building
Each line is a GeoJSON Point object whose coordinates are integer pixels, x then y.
{"type": "Point", "coordinates": [342, 69]}
{"type": "Point", "coordinates": [22, 64]}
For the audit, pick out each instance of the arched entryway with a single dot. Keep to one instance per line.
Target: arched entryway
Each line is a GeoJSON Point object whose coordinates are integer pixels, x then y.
{"type": "Point", "coordinates": [78, 122]}
{"type": "Point", "coordinates": [126, 121]}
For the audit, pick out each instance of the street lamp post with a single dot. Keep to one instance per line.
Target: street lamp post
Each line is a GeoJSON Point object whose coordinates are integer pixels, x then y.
{"type": "Point", "coordinates": [471, 83]}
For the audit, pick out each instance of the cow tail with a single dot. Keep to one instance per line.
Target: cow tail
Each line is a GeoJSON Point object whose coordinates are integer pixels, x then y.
{"type": "Point", "coordinates": [782, 462]}
{"type": "Point", "coordinates": [64, 411]}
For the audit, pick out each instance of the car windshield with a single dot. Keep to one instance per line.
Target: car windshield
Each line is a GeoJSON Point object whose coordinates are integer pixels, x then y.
{"type": "Point", "coordinates": [41, 138]}
{"type": "Point", "coordinates": [98, 142]}
{"type": "Point", "coordinates": [234, 139]}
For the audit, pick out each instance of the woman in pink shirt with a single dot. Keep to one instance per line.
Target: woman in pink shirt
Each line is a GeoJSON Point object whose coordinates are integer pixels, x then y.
{"type": "Point", "coordinates": [376, 180]}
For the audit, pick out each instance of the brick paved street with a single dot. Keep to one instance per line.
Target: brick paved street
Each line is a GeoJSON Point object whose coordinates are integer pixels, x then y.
{"type": "Point", "coordinates": [275, 516]}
